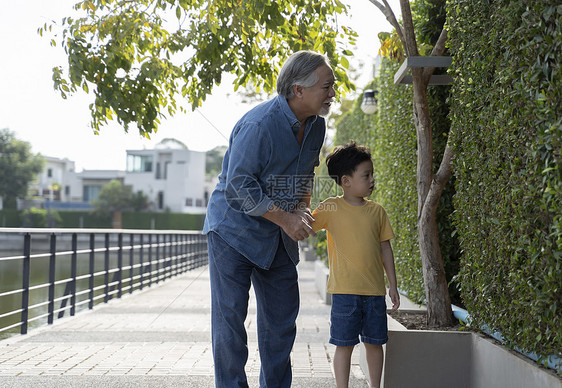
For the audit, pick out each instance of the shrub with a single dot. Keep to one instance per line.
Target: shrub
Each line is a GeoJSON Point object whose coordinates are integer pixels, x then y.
{"type": "Point", "coordinates": [40, 218]}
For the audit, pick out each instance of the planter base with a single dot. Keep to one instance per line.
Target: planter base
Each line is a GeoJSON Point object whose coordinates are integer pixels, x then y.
{"type": "Point", "coordinates": [322, 272]}
{"type": "Point", "coordinates": [425, 358]}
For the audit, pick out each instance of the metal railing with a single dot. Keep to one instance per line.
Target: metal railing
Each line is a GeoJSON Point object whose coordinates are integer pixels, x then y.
{"type": "Point", "coordinates": [85, 267]}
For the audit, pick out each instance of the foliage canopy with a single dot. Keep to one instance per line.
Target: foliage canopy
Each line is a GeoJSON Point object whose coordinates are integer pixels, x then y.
{"type": "Point", "coordinates": [139, 55]}
{"type": "Point", "coordinates": [115, 197]}
{"type": "Point", "coordinates": [18, 167]}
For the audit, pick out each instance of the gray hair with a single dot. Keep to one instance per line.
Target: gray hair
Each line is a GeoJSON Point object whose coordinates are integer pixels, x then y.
{"type": "Point", "coordinates": [299, 69]}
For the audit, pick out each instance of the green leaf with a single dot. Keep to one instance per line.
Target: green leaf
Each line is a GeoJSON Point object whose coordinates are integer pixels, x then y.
{"type": "Point", "coordinates": [344, 62]}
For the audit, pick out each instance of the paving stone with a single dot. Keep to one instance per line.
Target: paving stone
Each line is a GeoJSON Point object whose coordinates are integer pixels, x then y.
{"type": "Point", "coordinates": [163, 330]}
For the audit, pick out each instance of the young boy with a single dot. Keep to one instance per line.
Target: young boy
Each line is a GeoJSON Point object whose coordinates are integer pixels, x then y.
{"type": "Point", "coordinates": [359, 252]}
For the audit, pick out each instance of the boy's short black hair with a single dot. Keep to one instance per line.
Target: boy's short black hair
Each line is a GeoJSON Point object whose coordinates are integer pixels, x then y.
{"type": "Point", "coordinates": [343, 160]}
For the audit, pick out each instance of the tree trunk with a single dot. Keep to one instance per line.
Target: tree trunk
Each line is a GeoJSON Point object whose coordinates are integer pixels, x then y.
{"type": "Point", "coordinates": [116, 220]}
{"type": "Point", "coordinates": [429, 186]}
{"type": "Point", "coordinates": [424, 137]}
{"type": "Point", "coordinates": [439, 311]}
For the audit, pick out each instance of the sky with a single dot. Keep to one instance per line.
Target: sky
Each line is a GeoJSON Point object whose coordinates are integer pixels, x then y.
{"type": "Point", "coordinates": [55, 127]}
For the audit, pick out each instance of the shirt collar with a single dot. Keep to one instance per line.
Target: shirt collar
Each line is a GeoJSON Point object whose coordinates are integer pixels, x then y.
{"type": "Point", "coordinates": [290, 116]}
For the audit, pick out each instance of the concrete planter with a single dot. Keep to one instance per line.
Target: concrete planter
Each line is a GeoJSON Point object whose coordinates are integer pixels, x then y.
{"type": "Point", "coordinates": [322, 272]}
{"type": "Point", "coordinates": [307, 253]}
{"type": "Point", "coordinates": [425, 358]}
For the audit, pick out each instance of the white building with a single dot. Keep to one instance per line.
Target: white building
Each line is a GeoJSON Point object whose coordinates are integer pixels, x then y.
{"type": "Point", "coordinates": [172, 177]}
{"type": "Point", "coordinates": [59, 186]}
{"type": "Point", "coordinates": [57, 181]}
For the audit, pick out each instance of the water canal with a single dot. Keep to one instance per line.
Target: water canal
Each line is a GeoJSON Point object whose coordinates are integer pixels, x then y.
{"type": "Point", "coordinates": [106, 266]}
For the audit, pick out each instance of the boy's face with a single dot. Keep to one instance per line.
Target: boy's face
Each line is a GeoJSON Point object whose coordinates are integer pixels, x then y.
{"type": "Point", "coordinates": [361, 183]}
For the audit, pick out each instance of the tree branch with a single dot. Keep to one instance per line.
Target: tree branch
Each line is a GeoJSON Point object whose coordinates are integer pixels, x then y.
{"type": "Point", "coordinates": [439, 47]}
{"type": "Point", "coordinates": [387, 11]}
{"type": "Point", "coordinates": [438, 50]}
{"type": "Point", "coordinates": [411, 46]}
{"type": "Point", "coordinates": [440, 179]}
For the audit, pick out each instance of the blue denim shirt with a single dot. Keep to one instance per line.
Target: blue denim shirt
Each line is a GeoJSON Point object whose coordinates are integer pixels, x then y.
{"type": "Point", "coordinates": [264, 165]}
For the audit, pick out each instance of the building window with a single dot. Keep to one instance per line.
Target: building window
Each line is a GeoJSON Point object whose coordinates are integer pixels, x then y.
{"type": "Point", "coordinates": [49, 173]}
{"type": "Point", "coordinates": [162, 172]}
{"type": "Point", "coordinates": [66, 190]}
{"type": "Point", "coordinates": [160, 200]}
{"type": "Point", "coordinates": [189, 202]}
{"type": "Point", "coordinates": [199, 202]}
{"type": "Point", "coordinates": [91, 193]}
{"type": "Point", "coordinates": [139, 163]}
{"type": "Point", "coordinates": [166, 164]}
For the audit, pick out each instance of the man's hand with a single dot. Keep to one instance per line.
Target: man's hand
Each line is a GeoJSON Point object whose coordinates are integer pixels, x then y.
{"type": "Point", "coordinates": [306, 214]}
{"type": "Point", "coordinates": [296, 225]}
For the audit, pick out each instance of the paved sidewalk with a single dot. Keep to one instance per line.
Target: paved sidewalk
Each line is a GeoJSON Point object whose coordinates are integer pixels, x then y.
{"type": "Point", "coordinates": [160, 337]}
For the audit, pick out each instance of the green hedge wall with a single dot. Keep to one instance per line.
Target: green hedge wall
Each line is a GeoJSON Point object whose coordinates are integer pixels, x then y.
{"type": "Point", "coordinates": [506, 118]}
{"type": "Point", "coordinates": [172, 221]}
{"type": "Point", "coordinates": [130, 220]}
{"type": "Point", "coordinates": [83, 219]}
{"type": "Point", "coordinates": [10, 218]}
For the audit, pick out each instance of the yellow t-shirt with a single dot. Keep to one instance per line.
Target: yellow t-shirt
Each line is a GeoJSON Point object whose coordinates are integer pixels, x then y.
{"type": "Point", "coordinates": [354, 235]}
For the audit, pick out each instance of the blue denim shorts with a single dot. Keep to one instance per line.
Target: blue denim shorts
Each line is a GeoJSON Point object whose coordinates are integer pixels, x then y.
{"type": "Point", "coordinates": [358, 315]}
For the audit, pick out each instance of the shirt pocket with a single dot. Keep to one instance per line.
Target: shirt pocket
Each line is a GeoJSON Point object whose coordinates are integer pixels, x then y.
{"type": "Point", "coordinates": [307, 161]}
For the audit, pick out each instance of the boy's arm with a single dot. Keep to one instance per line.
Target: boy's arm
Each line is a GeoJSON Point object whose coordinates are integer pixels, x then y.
{"type": "Point", "coordinates": [320, 216]}
{"type": "Point", "coordinates": [388, 263]}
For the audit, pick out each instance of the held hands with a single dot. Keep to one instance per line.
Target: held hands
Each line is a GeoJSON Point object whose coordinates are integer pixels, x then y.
{"type": "Point", "coordinates": [394, 297]}
{"type": "Point", "coordinates": [297, 225]}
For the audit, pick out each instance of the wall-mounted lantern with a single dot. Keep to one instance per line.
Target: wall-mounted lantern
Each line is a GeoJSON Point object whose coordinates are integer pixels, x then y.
{"type": "Point", "coordinates": [369, 103]}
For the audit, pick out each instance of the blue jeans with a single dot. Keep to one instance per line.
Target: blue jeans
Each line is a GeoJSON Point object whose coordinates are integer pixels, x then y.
{"type": "Point", "coordinates": [277, 296]}
{"type": "Point", "coordinates": [358, 315]}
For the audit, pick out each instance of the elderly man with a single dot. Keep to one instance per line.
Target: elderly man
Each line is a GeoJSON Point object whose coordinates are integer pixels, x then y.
{"type": "Point", "coordinates": [258, 211]}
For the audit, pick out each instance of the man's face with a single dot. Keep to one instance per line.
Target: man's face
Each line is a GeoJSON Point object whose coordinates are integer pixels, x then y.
{"type": "Point", "coordinates": [318, 97]}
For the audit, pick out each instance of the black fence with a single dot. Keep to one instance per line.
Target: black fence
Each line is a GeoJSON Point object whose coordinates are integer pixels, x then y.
{"type": "Point", "coordinates": [54, 271]}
